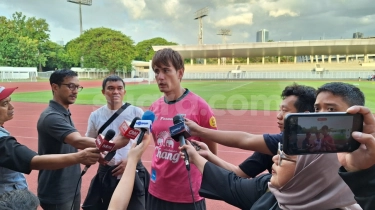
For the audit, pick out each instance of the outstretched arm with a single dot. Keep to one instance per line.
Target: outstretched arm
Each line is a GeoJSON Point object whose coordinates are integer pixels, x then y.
{"type": "Point", "coordinates": [237, 139]}
{"type": "Point", "coordinates": [122, 194]}
{"type": "Point", "coordinates": [206, 153]}
{"type": "Point", "coordinates": [18, 157]}
{"type": "Point", "coordinates": [88, 156]}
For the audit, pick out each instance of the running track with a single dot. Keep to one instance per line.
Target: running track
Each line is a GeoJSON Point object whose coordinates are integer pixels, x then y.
{"type": "Point", "coordinates": [23, 127]}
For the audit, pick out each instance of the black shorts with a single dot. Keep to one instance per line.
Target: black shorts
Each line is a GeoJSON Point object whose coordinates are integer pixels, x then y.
{"type": "Point", "coordinates": [154, 203]}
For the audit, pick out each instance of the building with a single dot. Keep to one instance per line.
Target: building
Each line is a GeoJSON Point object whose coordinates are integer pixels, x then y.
{"type": "Point", "coordinates": [358, 35]}
{"type": "Point", "coordinates": [262, 36]}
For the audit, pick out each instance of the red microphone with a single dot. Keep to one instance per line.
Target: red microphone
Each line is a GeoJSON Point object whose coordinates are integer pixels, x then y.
{"type": "Point", "coordinates": [128, 130]}
{"type": "Point", "coordinates": [103, 144]}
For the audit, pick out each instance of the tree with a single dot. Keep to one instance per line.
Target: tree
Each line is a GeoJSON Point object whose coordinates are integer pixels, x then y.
{"type": "Point", "coordinates": [57, 57]}
{"type": "Point", "coordinates": [22, 41]}
{"type": "Point", "coordinates": [144, 48]}
{"type": "Point", "coordinates": [102, 48]}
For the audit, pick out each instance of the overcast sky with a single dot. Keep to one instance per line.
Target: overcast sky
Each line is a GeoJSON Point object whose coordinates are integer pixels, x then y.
{"type": "Point", "coordinates": [173, 20]}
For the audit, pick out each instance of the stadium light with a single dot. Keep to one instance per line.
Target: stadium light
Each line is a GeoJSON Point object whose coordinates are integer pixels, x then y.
{"type": "Point", "coordinates": [81, 2]}
{"type": "Point", "coordinates": [199, 15]}
{"type": "Point", "coordinates": [224, 33]}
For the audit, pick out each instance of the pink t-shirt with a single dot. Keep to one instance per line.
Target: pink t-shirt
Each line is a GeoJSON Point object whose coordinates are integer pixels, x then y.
{"type": "Point", "coordinates": [169, 177]}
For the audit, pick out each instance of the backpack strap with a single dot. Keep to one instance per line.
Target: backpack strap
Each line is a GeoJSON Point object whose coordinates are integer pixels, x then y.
{"type": "Point", "coordinates": [113, 117]}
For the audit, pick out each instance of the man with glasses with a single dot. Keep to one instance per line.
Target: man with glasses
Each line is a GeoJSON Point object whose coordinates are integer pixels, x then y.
{"type": "Point", "coordinates": [58, 135]}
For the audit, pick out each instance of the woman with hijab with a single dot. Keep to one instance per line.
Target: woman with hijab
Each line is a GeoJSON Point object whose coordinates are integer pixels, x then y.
{"type": "Point", "coordinates": [305, 182]}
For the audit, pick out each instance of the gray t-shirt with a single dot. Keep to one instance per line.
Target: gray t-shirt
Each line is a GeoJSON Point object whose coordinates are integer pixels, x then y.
{"type": "Point", "coordinates": [56, 186]}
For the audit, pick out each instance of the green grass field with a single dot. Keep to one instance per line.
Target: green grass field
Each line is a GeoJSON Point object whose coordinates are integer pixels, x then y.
{"type": "Point", "coordinates": [254, 95]}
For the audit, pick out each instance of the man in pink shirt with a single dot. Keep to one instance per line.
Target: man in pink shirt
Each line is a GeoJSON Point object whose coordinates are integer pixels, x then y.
{"type": "Point", "coordinates": [170, 185]}
{"type": "Point", "coordinates": [327, 140]}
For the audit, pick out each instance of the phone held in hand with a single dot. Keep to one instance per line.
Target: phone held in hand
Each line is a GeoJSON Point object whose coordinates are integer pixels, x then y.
{"type": "Point", "coordinates": [314, 133]}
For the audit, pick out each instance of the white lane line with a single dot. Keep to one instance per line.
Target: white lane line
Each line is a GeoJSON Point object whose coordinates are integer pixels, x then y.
{"type": "Point", "coordinates": [239, 86]}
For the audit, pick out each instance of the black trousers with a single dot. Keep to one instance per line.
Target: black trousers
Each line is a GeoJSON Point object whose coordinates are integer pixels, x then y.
{"type": "Point", "coordinates": [104, 184]}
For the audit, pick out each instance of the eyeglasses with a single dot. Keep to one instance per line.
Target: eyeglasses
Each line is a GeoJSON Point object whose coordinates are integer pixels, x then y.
{"type": "Point", "coordinates": [282, 156]}
{"type": "Point", "coordinates": [73, 87]}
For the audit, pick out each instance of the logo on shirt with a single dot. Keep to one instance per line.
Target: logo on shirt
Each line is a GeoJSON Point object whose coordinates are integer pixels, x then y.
{"type": "Point", "coordinates": [165, 147]}
{"type": "Point", "coordinates": [213, 122]}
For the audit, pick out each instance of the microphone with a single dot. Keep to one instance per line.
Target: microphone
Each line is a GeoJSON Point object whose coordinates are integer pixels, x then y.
{"type": "Point", "coordinates": [108, 136]}
{"type": "Point", "coordinates": [128, 130]}
{"type": "Point", "coordinates": [103, 144]}
{"type": "Point", "coordinates": [179, 132]}
{"type": "Point", "coordinates": [144, 125]}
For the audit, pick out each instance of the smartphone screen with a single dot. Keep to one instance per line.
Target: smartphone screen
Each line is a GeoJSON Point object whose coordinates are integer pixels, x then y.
{"type": "Point", "coordinates": [312, 133]}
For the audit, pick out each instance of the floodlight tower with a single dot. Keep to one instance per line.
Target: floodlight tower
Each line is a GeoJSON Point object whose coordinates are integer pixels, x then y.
{"type": "Point", "coordinates": [224, 33]}
{"type": "Point", "coordinates": [81, 2]}
{"type": "Point", "coordinates": [199, 15]}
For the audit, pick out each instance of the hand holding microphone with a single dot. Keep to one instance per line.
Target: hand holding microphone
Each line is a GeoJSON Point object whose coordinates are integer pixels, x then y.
{"type": "Point", "coordinates": [128, 130]}
{"type": "Point", "coordinates": [144, 125]}
{"type": "Point", "coordinates": [102, 145]}
{"type": "Point", "coordinates": [179, 132]}
{"type": "Point", "coordinates": [88, 156]}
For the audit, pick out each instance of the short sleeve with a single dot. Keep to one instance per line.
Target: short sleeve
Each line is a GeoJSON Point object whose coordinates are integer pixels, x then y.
{"type": "Point", "coordinates": [91, 129]}
{"type": "Point", "coordinates": [138, 112]}
{"type": "Point", "coordinates": [56, 125]}
{"type": "Point", "coordinates": [15, 156]}
{"type": "Point", "coordinates": [256, 164]}
{"type": "Point", "coordinates": [220, 184]}
{"type": "Point", "coordinates": [207, 118]}
{"type": "Point", "coordinates": [272, 141]}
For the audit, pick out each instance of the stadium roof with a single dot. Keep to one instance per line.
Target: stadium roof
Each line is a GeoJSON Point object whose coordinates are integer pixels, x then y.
{"type": "Point", "coordinates": [287, 48]}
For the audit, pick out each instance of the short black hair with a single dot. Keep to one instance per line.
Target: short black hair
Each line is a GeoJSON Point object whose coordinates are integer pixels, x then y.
{"type": "Point", "coordinates": [305, 96]}
{"type": "Point", "coordinates": [112, 78]}
{"type": "Point", "coordinates": [19, 199]}
{"type": "Point", "coordinates": [324, 127]}
{"type": "Point", "coordinates": [350, 94]}
{"type": "Point", "coordinates": [58, 76]}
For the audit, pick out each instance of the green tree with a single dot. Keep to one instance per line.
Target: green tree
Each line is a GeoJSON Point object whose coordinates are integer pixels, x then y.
{"type": "Point", "coordinates": [57, 57]}
{"type": "Point", "coordinates": [144, 48]}
{"type": "Point", "coordinates": [22, 41]}
{"type": "Point", "coordinates": [102, 48]}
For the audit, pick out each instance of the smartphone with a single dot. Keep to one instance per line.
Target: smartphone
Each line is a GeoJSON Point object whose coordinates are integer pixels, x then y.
{"type": "Point", "coordinates": [314, 133]}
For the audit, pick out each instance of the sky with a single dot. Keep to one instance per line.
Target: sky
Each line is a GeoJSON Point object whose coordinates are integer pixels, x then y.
{"type": "Point", "coordinates": [286, 20]}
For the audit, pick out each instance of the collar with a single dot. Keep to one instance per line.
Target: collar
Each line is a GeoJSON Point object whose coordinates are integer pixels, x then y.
{"type": "Point", "coordinates": [179, 99]}
{"type": "Point", "coordinates": [58, 107]}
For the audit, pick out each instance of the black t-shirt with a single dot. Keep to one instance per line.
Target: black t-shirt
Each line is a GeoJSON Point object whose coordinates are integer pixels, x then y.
{"type": "Point", "coordinates": [56, 186]}
{"type": "Point", "coordinates": [14, 155]}
{"type": "Point", "coordinates": [259, 162]}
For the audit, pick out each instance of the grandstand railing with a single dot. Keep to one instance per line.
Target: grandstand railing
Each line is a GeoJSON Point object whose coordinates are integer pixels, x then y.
{"type": "Point", "coordinates": [281, 75]}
